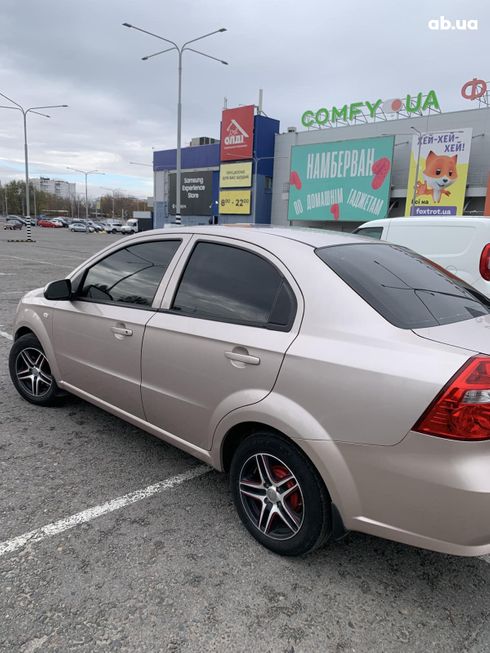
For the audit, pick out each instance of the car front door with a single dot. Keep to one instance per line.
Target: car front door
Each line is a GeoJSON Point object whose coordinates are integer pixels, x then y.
{"type": "Point", "coordinates": [228, 317]}
{"type": "Point", "coordinates": [98, 335]}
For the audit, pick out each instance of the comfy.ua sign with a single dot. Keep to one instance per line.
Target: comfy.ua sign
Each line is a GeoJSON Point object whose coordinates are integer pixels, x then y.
{"type": "Point", "coordinates": [349, 112]}
{"type": "Point", "coordinates": [237, 133]}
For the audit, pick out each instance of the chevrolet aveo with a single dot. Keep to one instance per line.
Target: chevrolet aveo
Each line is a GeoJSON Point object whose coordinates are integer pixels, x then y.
{"type": "Point", "coordinates": [343, 383]}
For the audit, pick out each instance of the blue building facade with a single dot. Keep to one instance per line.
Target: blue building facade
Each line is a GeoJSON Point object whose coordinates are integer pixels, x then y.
{"type": "Point", "coordinates": [206, 159]}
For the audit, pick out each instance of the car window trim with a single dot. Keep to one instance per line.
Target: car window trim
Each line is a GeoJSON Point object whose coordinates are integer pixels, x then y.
{"type": "Point", "coordinates": [152, 307]}
{"type": "Point", "coordinates": [268, 326]}
{"type": "Point", "coordinates": [209, 318]}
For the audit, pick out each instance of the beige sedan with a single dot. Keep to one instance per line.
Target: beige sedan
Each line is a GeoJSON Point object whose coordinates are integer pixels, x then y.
{"type": "Point", "coordinates": [343, 383]}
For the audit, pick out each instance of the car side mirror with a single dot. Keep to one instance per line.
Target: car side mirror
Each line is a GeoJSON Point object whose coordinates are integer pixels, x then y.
{"type": "Point", "coordinates": [58, 290]}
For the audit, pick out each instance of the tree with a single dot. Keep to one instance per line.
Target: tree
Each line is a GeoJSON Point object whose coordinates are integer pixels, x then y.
{"type": "Point", "coordinates": [14, 193]}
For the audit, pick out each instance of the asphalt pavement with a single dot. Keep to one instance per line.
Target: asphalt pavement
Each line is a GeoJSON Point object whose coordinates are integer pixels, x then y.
{"type": "Point", "coordinates": [133, 546]}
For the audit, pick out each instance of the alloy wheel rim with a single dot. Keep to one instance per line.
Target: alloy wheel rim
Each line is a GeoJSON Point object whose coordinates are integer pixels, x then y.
{"type": "Point", "coordinates": [33, 372]}
{"type": "Point", "coordinates": [271, 496]}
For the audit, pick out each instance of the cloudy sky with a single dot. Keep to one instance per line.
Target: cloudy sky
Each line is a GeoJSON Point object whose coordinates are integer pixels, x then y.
{"type": "Point", "coordinates": [303, 53]}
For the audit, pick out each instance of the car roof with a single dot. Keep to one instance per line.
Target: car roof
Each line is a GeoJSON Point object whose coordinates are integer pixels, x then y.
{"type": "Point", "coordinates": [262, 234]}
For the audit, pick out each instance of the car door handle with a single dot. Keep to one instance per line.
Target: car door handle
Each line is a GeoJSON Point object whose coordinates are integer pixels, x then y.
{"type": "Point", "coordinates": [121, 331]}
{"type": "Point", "coordinates": [242, 358]}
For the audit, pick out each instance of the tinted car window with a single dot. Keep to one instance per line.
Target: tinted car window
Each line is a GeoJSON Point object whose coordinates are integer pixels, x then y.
{"type": "Point", "coordinates": [407, 289]}
{"type": "Point", "coordinates": [372, 232]}
{"type": "Point", "coordinates": [230, 284]}
{"type": "Point", "coordinates": [130, 275]}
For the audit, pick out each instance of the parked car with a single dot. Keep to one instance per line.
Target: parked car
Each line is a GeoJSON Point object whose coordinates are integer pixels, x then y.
{"type": "Point", "coordinates": [131, 226]}
{"type": "Point", "coordinates": [95, 225]}
{"type": "Point", "coordinates": [343, 383]}
{"type": "Point", "coordinates": [48, 223]}
{"type": "Point", "coordinates": [61, 222]}
{"type": "Point", "coordinates": [81, 226]}
{"type": "Point", "coordinates": [20, 219]}
{"type": "Point", "coordinates": [113, 227]}
{"type": "Point", "coordinates": [459, 244]}
{"type": "Point", "coordinates": [13, 224]}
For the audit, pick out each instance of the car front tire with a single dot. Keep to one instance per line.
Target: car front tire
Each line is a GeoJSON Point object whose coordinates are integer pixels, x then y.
{"type": "Point", "coordinates": [279, 495]}
{"type": "Point", "coordinates": [31, 373]}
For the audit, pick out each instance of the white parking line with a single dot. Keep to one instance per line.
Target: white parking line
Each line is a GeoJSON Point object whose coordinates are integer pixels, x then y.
{"type": "Point", "coordinates": [62, 525]}
{"type": "Point", "coordinates": [4, 334]}
{"type": "Point", "coordinates": [35, 260]}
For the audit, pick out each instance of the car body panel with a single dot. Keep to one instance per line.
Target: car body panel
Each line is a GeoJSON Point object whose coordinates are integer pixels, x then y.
{"type": "Point", "coordinates": [471, 334]}
{"type": "Point", "coordinates": [427, 491]}
{"type": "Point", "coordinates": [93, 358]}
{"type": "Point", "coordinates": [189, 384]}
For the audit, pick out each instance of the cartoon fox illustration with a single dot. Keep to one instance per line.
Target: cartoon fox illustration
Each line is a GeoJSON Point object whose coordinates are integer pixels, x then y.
{"type": "Point", "coordinates": [440, 172]}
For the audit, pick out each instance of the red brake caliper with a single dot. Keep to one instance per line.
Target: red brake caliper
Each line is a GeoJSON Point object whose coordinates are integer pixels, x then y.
{"type": "Point", "coordinates": [281, 472]}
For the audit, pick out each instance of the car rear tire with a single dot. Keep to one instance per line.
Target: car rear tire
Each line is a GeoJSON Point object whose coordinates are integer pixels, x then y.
{"type": "Point", "coordinates": [279, 495]}
{"type": "Point", "coordinates": [31, 374]}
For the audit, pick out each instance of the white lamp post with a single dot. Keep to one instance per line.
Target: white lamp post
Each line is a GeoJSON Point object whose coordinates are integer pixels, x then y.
{"type": "Point", "coordinates": [180, 51]}
{"type": "Point", "coordinates": [86, 173]}
{"type": "Point", "coordinates": [24, 112]}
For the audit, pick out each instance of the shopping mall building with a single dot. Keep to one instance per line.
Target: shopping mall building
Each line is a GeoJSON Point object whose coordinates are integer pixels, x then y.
{"type": "Point", "coordinates": [345, 165]}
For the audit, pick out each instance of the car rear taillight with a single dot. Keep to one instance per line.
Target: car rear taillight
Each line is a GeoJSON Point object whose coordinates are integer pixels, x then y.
{"type": "Point", "coordinates": [462, 409]}
{"type": "Point", "coordinates": [485, 263]}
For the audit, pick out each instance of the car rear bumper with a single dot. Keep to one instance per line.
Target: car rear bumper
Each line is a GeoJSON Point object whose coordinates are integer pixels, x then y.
{"type": "Point", "coordinates": [425, 491]}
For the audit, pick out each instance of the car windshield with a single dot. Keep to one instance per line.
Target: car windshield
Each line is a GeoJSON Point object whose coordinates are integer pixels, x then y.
{"type": "Point", "coordinates": [407, 289]}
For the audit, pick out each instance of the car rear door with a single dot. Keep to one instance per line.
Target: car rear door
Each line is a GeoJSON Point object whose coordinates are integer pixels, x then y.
{"type": "Point", "coordinates": [228, 317]}
{"type": "Point", "coordinates": [98, 335]}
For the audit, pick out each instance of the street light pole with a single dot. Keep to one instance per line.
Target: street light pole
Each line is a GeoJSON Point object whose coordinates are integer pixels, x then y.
{"type": "Point", "coordinates": [86, 173]}
{"type": "Point", "coordinates": [180, 50]}
{"type": "Point", "coordinates": [26, 161]}
{"type": "Point", "coordinates": [19, 107]}
{"type": "Point", "coordinates": [414, 195]}
{"type": "Point", "coordinates": [178, 176]}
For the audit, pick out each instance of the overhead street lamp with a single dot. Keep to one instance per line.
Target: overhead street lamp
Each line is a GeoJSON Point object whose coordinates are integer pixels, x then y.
{"type": "Point", "coordinates": [181, 51]}
{"type": "Point", "coordinates": [24, 112]}
{"type": "Point", "coordinates": [137, 163]}
{"type": "Point", "coordinates": [86, 173]}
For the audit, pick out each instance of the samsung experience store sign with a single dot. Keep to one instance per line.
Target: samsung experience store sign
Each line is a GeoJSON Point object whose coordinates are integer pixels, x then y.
{"type": "Point", "coordinates": [363, 111]}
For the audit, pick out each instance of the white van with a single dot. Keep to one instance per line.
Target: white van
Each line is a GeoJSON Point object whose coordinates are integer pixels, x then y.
{"type": "Point", "coordinates": [459, 244]}
{"type": "Point", "coordinates": [131, 226]}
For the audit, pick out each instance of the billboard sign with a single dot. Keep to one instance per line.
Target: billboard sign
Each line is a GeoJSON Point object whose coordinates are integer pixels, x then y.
{"type": "Point", "coordinates": [234, 202]}
{"type": "Point", "coordinates": [237, 133]}
{"type": "Point", "coordinates": [443, 159]}
{"type": "Point", "coordinates": [196, 194]}
{"type": "Point", "coordinates": [343, 114]}
{"type": "Point", "coordinates": [343, 180]}
{"type": "Point", "coordinates": [235, 175]}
